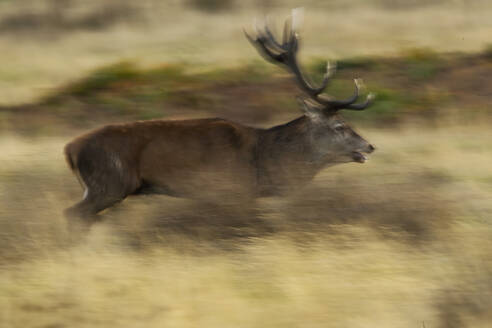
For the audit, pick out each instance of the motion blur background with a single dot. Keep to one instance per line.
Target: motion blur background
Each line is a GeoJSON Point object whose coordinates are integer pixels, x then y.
{"type": "Point", "coordinates": [402, 240]}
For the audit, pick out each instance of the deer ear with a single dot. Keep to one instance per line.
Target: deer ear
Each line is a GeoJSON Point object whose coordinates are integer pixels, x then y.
{"type": "Point", "coordinates": [309, 109]}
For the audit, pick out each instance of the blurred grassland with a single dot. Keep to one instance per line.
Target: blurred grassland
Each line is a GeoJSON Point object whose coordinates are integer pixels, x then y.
{"type": "Point", "coordinates": [419, 86]}
{"type": "Point", "coordinates": [403, 239]}
{"type": "Point", "coordinates": [47, 43]}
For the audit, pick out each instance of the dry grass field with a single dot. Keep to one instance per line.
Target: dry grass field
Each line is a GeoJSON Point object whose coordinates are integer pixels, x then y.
{"type": "Point", "coordinates": [402, 241]}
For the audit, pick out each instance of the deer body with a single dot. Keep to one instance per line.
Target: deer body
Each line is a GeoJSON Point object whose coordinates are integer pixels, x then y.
{"type": "Point", "coordinates": [216, 157]}
{"type": "Point", "coordinates": [197, 158]}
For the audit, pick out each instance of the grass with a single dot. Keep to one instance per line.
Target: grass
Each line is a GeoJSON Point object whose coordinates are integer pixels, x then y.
{"type": "Point", "coordinates": [104, 78]}
{"type": "Point", "coordinates": [397, 241]}
{"type": "Point", "coordinates": [164, 288]}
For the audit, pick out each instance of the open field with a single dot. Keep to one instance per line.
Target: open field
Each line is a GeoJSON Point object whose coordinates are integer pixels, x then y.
{"type": "Point", "coordinates": [404, 240]}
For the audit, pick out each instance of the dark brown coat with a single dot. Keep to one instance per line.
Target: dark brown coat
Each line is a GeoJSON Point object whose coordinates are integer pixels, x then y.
{"type": "Point", "coordinates": [202, 158]}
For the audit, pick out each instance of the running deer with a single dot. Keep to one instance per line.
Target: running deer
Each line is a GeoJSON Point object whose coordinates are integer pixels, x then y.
{"type": "Point", "coordinates": [203, 157]}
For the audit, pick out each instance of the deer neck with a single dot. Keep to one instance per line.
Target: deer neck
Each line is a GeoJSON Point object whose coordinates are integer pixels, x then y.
{"type": "Point", "coordinates": [286, 157]}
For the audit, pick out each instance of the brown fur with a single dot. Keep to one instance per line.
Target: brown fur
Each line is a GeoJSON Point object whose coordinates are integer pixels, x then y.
{"type": "Point", "coordinates": [197, 158]}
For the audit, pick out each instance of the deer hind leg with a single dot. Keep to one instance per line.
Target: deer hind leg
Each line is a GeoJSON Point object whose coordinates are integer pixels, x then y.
{"type": "Point", "coordinates": [107, 181]}
{"type": "Point", "coordinates": [91, 204]}
{"type": "Point", "coordinates": [83, 214]}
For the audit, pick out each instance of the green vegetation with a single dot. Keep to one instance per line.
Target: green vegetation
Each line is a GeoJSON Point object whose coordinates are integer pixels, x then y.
{"type": "Point", "coordinates": [363, 63]}
{"type": "Point", "coordinates": [422, 63]}
{"type": "Point", "coordinates": [414, 85]}
{"type": "Point", "coordinates": [388, 107]}
{"type": "Point", "coordinates": [487, 52]}
{"type": "Point", "coordinates": [211, 6]}
{"type": "Point", "coordinates": [103, 79]}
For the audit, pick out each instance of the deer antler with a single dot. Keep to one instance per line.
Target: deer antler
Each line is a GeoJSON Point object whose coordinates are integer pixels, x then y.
{"type": "Point", "coordinates": [285, 54]}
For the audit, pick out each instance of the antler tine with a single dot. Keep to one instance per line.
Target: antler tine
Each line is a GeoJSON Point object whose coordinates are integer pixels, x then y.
{"type": "Point", "coordinates": [287, 31]}
{"type": "Point", "coordinates": [303, 83]}
{"type": "Point", "coordinates": [335, 104]}
{"type": "Point", "coordinates": [349, 103]}
{"type": "Point", "coordinates": [285, 53]}
{"type": "Point", "coordinates": [259, 43]}
{"type": "Point", "coordinates": [286, 50]}
{"type": "Point", "coordinates": [368, 102]}
{"type": "Point", "coordinates": [270, 36]}
{"type": "Point", "coordinates": [330, 71]}
{"type": "Point", "coordinates": [290, 38]}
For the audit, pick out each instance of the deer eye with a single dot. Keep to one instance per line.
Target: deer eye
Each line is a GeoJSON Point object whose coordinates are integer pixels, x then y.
{"type": "Point", "coordinates": [339, 127]}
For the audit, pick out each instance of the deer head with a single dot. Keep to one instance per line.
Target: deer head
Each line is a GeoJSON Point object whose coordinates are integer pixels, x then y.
{"type": "Point", "coordinates": [331, 139]}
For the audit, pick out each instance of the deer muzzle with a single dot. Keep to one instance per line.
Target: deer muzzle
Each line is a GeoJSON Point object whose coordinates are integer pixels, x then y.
{"type": "Point", "coordinates": [360, 157]}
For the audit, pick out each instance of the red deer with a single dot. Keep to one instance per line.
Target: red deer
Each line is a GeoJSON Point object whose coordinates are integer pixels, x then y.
{"type": "Point", "coordinates": [193, 158]}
